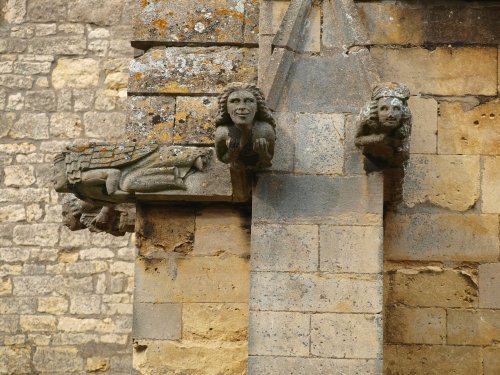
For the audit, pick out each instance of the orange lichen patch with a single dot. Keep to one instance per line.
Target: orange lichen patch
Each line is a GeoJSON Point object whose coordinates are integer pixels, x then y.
{"type": "Point", "coordinates": [137, 76]}
{"type": "Point", "coordinates": [160, 24]}
{"type": "Point", "coordinates": [173, 87]}
{"type": "Point", "coordinates": [144, 3]}
{"type": "Point", "coordinates": [178, 138]}
{"type": "Point", "coordinates": [230, 13]}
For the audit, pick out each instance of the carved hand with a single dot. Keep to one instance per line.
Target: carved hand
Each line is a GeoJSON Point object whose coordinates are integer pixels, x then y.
{"type": "Point", "coordinates": [233, 145]}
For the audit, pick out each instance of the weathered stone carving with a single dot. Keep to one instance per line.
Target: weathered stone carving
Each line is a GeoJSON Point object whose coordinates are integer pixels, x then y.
{"type": "Point", "coordinates": [245, 134]}
{"type": "Point", "coordinates": [114, 219]}
{"type": "Point", "coordinates": [105, 172]}
{"type": "Point", "coordinates": [384, 125]}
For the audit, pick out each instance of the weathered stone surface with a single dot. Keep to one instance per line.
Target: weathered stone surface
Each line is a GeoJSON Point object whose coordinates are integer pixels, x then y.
{"type": "Point", "coordinates": [75, 73]}
{"type": "Point", "coordinates": [424, 120]}
{"type": "Point", "coordinates": [215, 321]}
{"type": "Point", "coordinates": [95, 12]}
{"type": "Point", "coordinates": [441, 237]}
{"type": "Point", "coordinates": [37, 323]}
{"type": "Point", "coordinates": [64, 359]}
{"type": "Point", "coordinates": [313, 88]}
{"type": "Point", "coordinates": [351, 249]}
{"type": "Point", "coordinates": [31, 125]}
{"type": "Point", "coordinates": [408, 325]}
{"type": "Point", "coordinates": [165, 230]}
{"type": "Point", "coordinates": [346, 335]}
{"type": "Point", "coordinates": [418, 288]}
{"type": "Point", "coordinates": [284, 149]}
{"type": "Point", "coordinates": [42, 100]}
{"type": "Point", "coordinates": [85, 305]}
{"type": "Point", "coordinates": [289, 34]}
{"type": "Point", "coordinates": [490, 185]}
{"type": "Point", "coordinates": [318, 199]}
{"type": "Point", "coordinates": [194, 120]}
{"type": "Point", "coordinates": [220, 239]}
{"type": "Point", "coordinates": [47, 10]}
{"type": "Point", "coordinates": [15, 11]}
{"type": "Point", "coordinates": [191, 357]}
{"type": "Point", "coordinates": [53, 305]}
{"type": "Point", "coordinates": [489, 282]}
{"type": "Point", "coordinates": [274, 75]}
{"type": "Point", "coordinates": [284, 247]}
{"type": "Point", "coordinates": [157, 321]}
{"type": "Point", "coordinates": [469, 131]}
{"type": "Point", "coordinates": [221, 21]}
{"type": "Point", "coordinates": [319, 293]}
{"type": "Point", "coordinates": [192, 279]}
{"type": "Point", "coordinates": [36, 234]}
{"type": "Point", "coordinates": [65, 125]}
{"type": "Point", "coordinates": [96, 364]}
{"type": "Point", "coordinates": [19, 175]}
{"type": "Point", "coordinates": [271, 16]}
{"type": "Point", "coordinates": [432, 359]}
{"type": "Point", "coordinates": [104, 125]}
{"type": "Point", "coordinates": [319, 144]}
{"type": "Point", "coordinates": [278, 333]}
{"type": "Point", "coordinates": [449, 181]}
{"type": "Point", "coordinates": [491, 361]}
{"type": "Point", "coordinates": [271, 365]}
{"type": "Point", "coordinates": [180, 69]}
{"type": "Point", "coordinates": [222, 214]}
{"type": "Point", "coordinates": [416, 24]}
{"type": "Point", "coordinates": [443, 71]}
{"type": "Point", "coordinates": [468, 327]}
{"type": "Point", "coordinates": [66, 45]}
{"type": "Point", "coordinates": [16, 81]}
{"type": "Point", "coordinates": [15, 359]}
{"type": "Point", "coordinates": [151, 117]}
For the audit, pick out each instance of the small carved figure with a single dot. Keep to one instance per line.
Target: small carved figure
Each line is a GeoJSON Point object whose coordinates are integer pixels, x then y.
{"type": "Point", "coordinates": [245, 134]}
{"type": "Point", "coordinates": [114, 219]}
{"type": "Point", "coordinates": [106, 172]}
{"type": "Point", "coordinates": [384, 125]}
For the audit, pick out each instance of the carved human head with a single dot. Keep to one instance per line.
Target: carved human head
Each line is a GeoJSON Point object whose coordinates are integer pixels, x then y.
{"type": "Point", "coordinates": [72, 211]}
{"type": "Point", "coordinates": [390, 102]}
{"type": "Point", "coordinates": [242, 103]}
{"type": "Point", "coordinates": [59, 178]}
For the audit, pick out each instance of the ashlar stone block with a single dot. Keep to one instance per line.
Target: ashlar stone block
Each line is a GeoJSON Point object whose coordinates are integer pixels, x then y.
{"type": "Point", "coordinates": [301, 292]}
{"type": "Point", "coordinates": [473, 327]}
{"type": "Point", "coordinates": [489, 284]}
{"type": "Point", "coordinates": [157, 321]}
{"type": "Point", "coordinates": [284, 247]}
{"type": "Point", "coordinates": [407, 325]}
{"type": "Point", "coordinates": [75, 73]}
{"type": "Point", "coordinates": [319, 143]}
{"type": "Point", "coordinates": [424, 119]}
{"type": "Point", "coordinates": [278, 333]}
{"type": "Point", "coordinates": [194, 120]}
{"type": "Point", "coordinates": [490, 185]}
{"type": "Point", "coordinates": [441, 237]}
{"type": "Point", "coordinates": [356, 249]}
{"type": "Point", "coordinates": [346, 335]}
{"type": "Point", "coordinates": [443, 71]}
{"type": "Point", "coordinates": [469, 131]}
{"type": "Point", "coordinates": [183, 70]}
{"type": "Point", "coordinates": [449, 181]}
{"type": "Point", "coordinates": [271, 365]}
{"type": "Point", "coordinates": [151, 117]}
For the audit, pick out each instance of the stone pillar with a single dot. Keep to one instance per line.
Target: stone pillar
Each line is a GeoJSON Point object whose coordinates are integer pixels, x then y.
{"type": "Point", "coordinates": [316, 266]}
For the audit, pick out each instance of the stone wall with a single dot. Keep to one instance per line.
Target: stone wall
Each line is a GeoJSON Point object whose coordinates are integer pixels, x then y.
{"type": "Point", "coordinates": [65, 297]}
{"type": "Point", "coordinates": [442, 308]}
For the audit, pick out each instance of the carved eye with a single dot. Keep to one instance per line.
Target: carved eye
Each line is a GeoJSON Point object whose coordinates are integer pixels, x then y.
{"type": "Point", "coordinates": [397, 108]}
{"type": "Point", "coordinates": [234, 100]}
{"type": "Point", "coordinates": [383, 108]}
{"type": "Point", "coordinates": [249, 100]}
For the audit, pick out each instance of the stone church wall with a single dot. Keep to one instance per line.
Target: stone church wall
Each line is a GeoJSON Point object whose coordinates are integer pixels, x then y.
{"type": "Point", "coordinates": [65, 297]}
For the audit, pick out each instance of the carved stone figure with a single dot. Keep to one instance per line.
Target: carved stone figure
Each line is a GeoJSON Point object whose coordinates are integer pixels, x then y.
{"type": "Point", "coordinates": [114, 219]}
{"type": "Point", "coordinates": [384, 125]}
{"type": "Point", "coordinates": [245, 134]}
{"type": "Point", "coordinates": [106, 172]}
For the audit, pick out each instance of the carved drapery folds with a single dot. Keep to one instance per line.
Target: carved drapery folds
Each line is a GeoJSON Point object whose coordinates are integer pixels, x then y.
{"type": "Point", "coordinates": [384, 126]}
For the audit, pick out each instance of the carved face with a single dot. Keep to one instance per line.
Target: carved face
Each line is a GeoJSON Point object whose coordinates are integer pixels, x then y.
{"type": "Point", "coordinates": [71, 219]}
{"type": "Point", "coordinates": [242, 107]}
{"type": "Point", "coordinates": [59, 178]}
{"type": "Point", "coordinates": [390, 112]}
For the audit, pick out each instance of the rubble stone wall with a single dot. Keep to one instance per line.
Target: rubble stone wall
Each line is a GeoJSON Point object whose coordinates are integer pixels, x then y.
{"type": "Point", "coordinates": [65, 297]}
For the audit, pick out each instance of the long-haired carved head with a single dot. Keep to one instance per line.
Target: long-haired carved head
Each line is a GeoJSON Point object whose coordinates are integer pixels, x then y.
{"type": "Point", "coordinates": [263, 111]}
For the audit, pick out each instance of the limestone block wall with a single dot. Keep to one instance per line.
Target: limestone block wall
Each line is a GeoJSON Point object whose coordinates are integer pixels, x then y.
{"type": "Point", "coordinates": [65, 297]}
{"type": "Point", "coordinates": [442, 243]}
{"type": "Point", "coordinates": [191, 290]}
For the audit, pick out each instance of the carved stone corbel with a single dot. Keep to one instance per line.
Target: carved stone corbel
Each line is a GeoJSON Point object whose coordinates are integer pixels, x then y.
{"type": "Point", "coordinates": [245, 135]}
{"type": "Point", "coordinates": [384, 126]}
